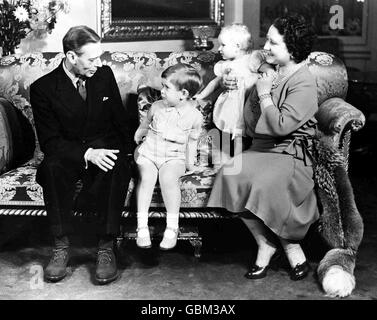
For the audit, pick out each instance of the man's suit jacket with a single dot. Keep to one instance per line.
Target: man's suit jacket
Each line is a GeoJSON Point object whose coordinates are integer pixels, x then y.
{"type": "Point", "coordinates": [67, 126]}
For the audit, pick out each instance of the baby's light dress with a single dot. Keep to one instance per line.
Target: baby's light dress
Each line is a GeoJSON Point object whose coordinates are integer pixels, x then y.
{"type": "Point", "coordinates": [228, 109]}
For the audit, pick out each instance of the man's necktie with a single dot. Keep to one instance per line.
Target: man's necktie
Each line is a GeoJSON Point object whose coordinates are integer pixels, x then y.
{"type": "Point", "coordinates": [81, 88]}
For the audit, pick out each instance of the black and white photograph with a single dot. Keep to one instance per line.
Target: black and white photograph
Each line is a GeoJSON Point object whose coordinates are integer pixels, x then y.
{"type": "Point", "coordinates": [188, 157]}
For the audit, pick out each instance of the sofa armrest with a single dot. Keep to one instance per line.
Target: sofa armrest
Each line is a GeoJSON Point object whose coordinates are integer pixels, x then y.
{"type": "Point", "coordinates": [336, 120]}
{"type": "Point", "coordinates": [17, 139]}
{"type": "Point", "coordinates": [335, 116]}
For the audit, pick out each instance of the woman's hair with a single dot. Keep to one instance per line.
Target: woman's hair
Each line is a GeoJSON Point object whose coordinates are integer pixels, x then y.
{"type": "Point", "coordinates": [183, 76]}
{"type": "Point", "coordinates": [298, 35]}
{"type": "Point", "coordinates": [77, 37]}
{"type": "Point", "coordinates": [240, 34]}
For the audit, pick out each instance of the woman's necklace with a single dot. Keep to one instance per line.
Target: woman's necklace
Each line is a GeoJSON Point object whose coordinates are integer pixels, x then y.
{"type": "Point", "coordinates": [281, 77]}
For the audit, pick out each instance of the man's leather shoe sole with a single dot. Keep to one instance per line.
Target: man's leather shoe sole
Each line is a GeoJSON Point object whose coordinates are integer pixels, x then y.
{"type": "Point", "coordinates": [102, 281]}
{"type": "Point", "coordinates": [49, 278]}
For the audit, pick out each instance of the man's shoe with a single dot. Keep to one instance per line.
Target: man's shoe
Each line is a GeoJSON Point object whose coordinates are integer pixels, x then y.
{"type": "Point", "coordinates": [106, 270]}
{"type": "Point", "coordinates": [56, 270]}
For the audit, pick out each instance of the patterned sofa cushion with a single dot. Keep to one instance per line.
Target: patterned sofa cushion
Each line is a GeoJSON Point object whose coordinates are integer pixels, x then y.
{"type": "Point", "coordinates": [19, 188]}
{"type": "Point", "coordinates": [17, 141]}
{"type": "Point", "coordinates": [195, 190]}
{"type": "Point", "coordinates": [331, 75]}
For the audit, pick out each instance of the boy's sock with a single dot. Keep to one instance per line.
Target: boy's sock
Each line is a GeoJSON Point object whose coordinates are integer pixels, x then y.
{"type": "Point", "coordinates": [142, 224]}
{"type": "Point", "coordinates": [171, 224]}
{"type": "Point", "coordinates": [142, 220]}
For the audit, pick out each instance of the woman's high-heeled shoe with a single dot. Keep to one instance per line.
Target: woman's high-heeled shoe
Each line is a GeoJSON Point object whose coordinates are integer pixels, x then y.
{"type": "Point", "coordinates": [256, 272]}
{"type": "Point", "coordinates": [300, 271]}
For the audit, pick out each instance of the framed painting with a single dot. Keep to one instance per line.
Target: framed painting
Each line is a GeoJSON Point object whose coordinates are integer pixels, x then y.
{"type": "Point", "coordinates": [345, 19]}
{"type": "Point", "coordinates": [135, 20]}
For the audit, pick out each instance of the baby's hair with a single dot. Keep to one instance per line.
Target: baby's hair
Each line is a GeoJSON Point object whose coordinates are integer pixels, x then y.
{"type": "Point", "coordinates": [240, 35]}
{"type": "Point", "coordinates": [183, 76]}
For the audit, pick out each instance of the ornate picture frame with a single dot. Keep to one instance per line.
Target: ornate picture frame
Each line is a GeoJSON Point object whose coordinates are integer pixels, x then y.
{"type": "Point", "coordinates": [137, 20]}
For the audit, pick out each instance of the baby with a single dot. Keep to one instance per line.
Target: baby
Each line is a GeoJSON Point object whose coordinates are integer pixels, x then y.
{"type": "Point", "coordinates": [235, 44]}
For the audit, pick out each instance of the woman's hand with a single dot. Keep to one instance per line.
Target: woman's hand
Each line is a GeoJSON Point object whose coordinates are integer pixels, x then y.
{"type": "Point", "coordinates": [264, 82]}
{"type": "Point", "coordinates": [138, 139]}
{"type": "Point", "coordinates": [229, 81]}
{"type": "Point", "coordinates": [139, 136]}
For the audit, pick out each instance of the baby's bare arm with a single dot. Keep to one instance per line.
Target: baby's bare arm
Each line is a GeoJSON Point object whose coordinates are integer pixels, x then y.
{"type": "Point", "coordinates": [210, 88]}
{"type": "Point", "coordinates": [143, 128]}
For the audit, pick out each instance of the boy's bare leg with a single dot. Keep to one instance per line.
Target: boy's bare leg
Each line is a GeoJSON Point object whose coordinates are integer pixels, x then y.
{"type": "Point", "coordinates": [144, 192]}
{"type": "Point", "coordinates": [169, 175]}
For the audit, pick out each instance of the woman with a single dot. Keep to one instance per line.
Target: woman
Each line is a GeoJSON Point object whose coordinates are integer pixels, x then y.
{"type": "Point", "coordinates": [275, 184]}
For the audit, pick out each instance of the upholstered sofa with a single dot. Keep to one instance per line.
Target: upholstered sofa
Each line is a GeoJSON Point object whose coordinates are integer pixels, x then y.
{"type": "Point", "coordinates": [136, 72]}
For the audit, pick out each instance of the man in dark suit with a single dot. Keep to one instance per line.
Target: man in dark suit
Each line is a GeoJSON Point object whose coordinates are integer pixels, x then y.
{"type": "Point", "coordinates": [83, 131]}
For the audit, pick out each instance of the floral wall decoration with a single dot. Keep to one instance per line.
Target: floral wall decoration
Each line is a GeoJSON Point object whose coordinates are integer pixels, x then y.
{"type": "Point", "coordinates": [27, 18]}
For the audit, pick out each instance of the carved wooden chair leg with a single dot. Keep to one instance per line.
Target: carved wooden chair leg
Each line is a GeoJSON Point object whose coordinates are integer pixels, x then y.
{"type": "Point", "coordinates": [119, 242]}
{"type": "Point", "coordinates": [120, 238]}
{"type": "Point", "coordinates": [197, 244]}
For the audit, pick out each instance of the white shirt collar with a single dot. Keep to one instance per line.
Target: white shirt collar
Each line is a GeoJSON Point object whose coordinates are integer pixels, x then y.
{"type": "Point", "coordinates": [70, 75]}
{"type": "Point", "coordinates": [182, 109]}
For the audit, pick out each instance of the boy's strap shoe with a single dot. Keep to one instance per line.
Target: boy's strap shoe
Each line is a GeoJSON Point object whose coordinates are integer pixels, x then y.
{"type": "Point", "coordinates": [168, 241]}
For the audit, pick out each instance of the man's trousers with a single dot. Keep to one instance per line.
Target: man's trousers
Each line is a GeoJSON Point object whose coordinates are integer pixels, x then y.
{"type": "Point", "coordinates": [58, 177]}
